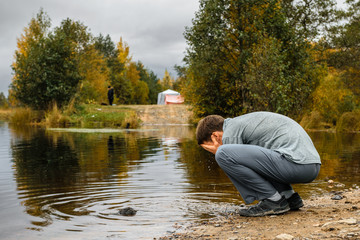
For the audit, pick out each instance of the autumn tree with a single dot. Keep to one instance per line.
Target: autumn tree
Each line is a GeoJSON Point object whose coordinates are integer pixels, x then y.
{"type": "Point", "coordinates": [152, 81]}
{"type": "Point", "coordinates": [181, 83]}
{"type": "Point", "coordinates": [117, 57]}
{"type": "Point", "coordinates": [76, 34]}
{"type": "Point", "coordinates": [28, 45]}
{"type": "Point", "coordinates": [116, 68]}
{"type": "Point", "coordinates": [46, 65]}
{"type": "Point", "coordinates": [310, 18]}
{"type": "Point", "coordinates": [245, 56]}
{"type": "Point", "coordinates": [109, 51]}
{"type": "Point", "coordinates": [332, 98]}
{"type": "Point", "coordinates": [132, 82]}
{"type": "Point", "coordinates": [3, 101]}
{"type": "Point", "coordinates": [344, 53]}
{"type": "Point", "coordinates": [95, 76]}
{"type": "Point", "coordinates": [139, 89]}
{"type": "Point", "coordinates": [105, 46]}
{"type": "Point", "coordinates": [122, 85]}
{"type": "Point", "coordinates": [167, 81]}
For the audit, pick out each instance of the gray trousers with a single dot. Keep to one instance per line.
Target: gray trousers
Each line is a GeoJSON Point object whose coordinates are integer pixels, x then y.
{"type": "Point", "coordinates": [259, 173]}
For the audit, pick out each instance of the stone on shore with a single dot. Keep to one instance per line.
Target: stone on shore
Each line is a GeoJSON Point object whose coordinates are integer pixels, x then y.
{"type": "Point", "coordinates": [284, 236]}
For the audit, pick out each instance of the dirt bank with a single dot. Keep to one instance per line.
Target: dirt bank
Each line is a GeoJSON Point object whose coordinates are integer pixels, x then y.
{"type": "Point", "coordinates": [162, 114]}
{"type": "Point", "coordinates": [322, 217]}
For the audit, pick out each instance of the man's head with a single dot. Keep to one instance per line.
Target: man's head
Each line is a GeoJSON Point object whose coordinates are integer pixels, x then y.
{"type": "Point", "coordinates": [207, 127]}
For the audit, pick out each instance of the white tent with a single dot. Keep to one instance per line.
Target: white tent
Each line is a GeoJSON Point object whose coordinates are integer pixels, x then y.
{"type": "Point", "coordinates": [162, 95]}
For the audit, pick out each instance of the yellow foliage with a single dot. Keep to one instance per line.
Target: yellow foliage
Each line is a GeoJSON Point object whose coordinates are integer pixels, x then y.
{"type": "Point", "coordinates": [330, 98]}
{"type": "Point", "coordinates": [33, 33]}
{"type": "Point", "coordinates": [167, 81]}
{"type": "Point", "coordinates": [132, 73]}
{"type": "Point", "coordinates": [95, 75]}
{"type": "Point", "coordinates": [140, 89]}
{"type": "Point", "coordinates": [124, 52]}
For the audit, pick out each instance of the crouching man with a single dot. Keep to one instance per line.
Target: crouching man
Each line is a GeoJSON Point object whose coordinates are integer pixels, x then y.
{"type": "Point", "coordinates": [262, 153]}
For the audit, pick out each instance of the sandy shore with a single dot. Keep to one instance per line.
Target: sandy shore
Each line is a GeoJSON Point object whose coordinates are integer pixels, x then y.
{"type": "Point", "coordinates": [335, 215]}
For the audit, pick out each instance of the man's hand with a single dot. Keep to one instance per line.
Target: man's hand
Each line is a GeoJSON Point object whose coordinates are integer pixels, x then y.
{"type": "Point", "coordinates": [211, 146]}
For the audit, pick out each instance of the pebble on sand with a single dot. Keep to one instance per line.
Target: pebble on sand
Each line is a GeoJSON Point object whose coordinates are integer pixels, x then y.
{"type": "Point", "coordinates": [284, 236]}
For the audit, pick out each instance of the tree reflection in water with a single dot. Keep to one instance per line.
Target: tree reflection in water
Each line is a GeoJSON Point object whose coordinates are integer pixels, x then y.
{"type": "Point", "coordinates": [62, 173]}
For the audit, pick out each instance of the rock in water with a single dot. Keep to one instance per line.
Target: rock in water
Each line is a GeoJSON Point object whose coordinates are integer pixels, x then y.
{"type": "Point", "coordinates": [128, 211]}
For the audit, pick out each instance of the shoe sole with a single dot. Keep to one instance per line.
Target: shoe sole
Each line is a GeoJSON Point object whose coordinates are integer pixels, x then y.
{"type": "Point", "coordinates": [272, 212]}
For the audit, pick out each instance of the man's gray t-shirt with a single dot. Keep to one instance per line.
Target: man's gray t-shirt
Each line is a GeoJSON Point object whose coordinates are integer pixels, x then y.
{"type": "Point", "coordinates": [272, 131]}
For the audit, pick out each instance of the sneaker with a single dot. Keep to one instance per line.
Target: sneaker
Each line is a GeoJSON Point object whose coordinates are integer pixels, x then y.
{"type": "Point", "coordinates": [266, 207]}
{"type": "Point", "coordinates": [295, 202]}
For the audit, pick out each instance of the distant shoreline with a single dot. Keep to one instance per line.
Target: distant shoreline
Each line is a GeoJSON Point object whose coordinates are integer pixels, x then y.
{"type": "Point", "coordinates": [97, 116]}
{"type": "Point", "coordinates": [120, 116]}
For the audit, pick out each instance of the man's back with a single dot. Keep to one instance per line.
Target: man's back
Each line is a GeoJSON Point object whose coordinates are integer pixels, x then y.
{"type": "Point", "coordinates": [271, 131]}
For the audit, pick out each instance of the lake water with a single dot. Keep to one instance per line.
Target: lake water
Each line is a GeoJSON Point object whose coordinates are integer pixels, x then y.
{"type": "Point", "coordinates": [70, 184]}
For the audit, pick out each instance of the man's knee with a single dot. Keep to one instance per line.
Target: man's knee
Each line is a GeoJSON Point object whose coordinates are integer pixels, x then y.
{"type": "Point", "coordinates": [220, 154]}
{"type": "Point", "coordinates": [229, 163]}
{"type": "Point", "coordinates": [224, 155]}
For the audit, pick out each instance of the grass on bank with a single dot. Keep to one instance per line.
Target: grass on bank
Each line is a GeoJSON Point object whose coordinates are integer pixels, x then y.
{"type": "Point", "coordinates": [25, 115]}
{"type": "Point", "coordinates": [104, 116]}
{"type": "Point", "coordinates": [5, 114]}
{"type": "Point", "coordinates": [85, 115]}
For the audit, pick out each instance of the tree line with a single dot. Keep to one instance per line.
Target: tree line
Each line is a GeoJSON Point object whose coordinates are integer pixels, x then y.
{"type": "Point", "coordinates": [67, 63]}
{"type": "Point", "coordinates": [285, 56]}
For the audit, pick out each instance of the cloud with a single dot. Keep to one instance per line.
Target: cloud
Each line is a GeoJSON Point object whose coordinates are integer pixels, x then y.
{"type": "Point", "coordinates": [152, 28]}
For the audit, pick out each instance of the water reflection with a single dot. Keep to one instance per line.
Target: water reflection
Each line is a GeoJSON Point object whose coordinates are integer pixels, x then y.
{"type": "Point", "coordinates": [72, 170]}
{"type": "Point", "coordinates": [340, 155]}
{"type": "Point", "coordinates": [71, 184]}
{"type": "Point", "coordinates": [205, 175]}
{"type": "Point", "coordinates": [43, 166]}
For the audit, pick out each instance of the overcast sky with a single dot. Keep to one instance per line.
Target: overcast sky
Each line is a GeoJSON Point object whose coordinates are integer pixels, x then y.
{"type": "Point", "coordinates": [153, 29]}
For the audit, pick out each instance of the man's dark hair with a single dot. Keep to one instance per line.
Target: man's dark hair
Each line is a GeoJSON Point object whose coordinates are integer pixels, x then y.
{"type": "Point", "coordinates": [207, 126]}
